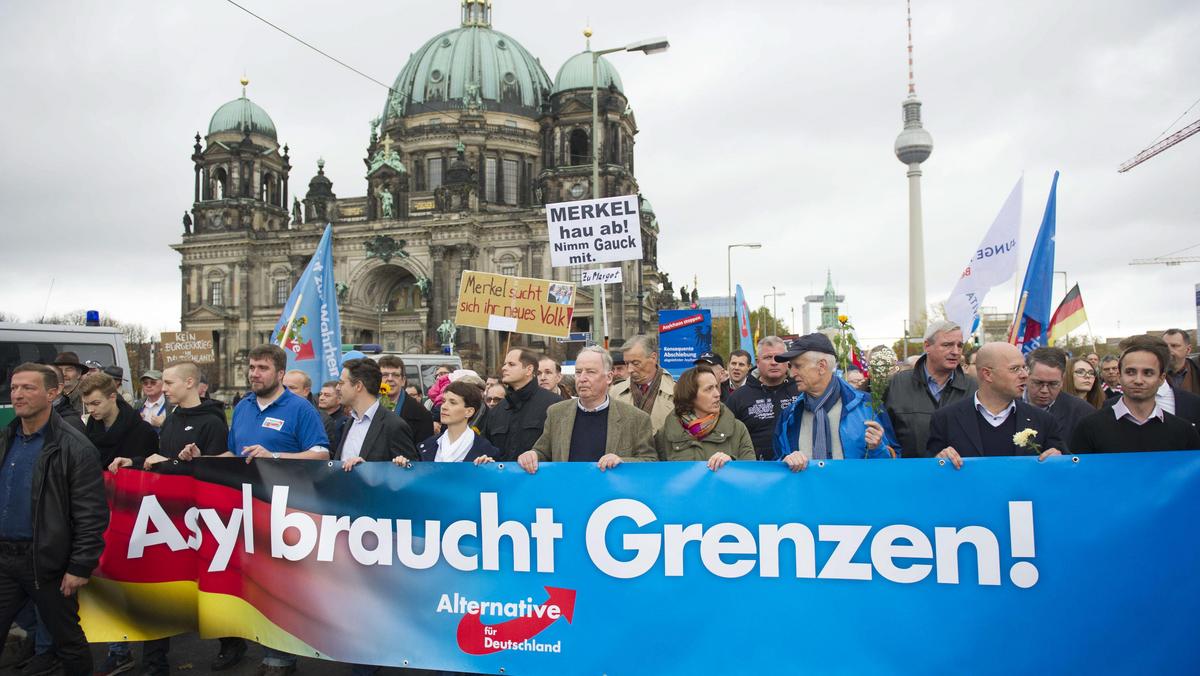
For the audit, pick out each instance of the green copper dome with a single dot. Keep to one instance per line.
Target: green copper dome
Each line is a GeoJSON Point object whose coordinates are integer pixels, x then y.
{"type": "Point", "coordinates": [576, 73]}
{"type": "Point", "coordinates": [471, 67]}
{"type": "Point", "coordinates": [239, 115]}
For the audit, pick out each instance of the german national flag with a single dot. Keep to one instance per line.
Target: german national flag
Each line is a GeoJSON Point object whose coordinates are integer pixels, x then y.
{"type": "Point", "coordinates": [1068, 317]}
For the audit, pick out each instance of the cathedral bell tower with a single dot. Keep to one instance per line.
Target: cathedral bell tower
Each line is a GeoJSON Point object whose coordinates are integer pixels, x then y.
{"type": "Point", "coordinates": [241, 173]}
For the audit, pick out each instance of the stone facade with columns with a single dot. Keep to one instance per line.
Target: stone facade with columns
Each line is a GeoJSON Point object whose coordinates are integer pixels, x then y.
{"type": "Point", "coordinates": [473, 140]}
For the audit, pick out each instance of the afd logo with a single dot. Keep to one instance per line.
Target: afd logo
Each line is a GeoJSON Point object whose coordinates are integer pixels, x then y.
{"type": "Point", "coordinates": [528, 619]}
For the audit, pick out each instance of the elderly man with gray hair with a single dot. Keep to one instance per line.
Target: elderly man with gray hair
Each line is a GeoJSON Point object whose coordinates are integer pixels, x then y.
{"type": "Point", "coordinates": [595, 427]}
{"type": "Point", "coordinates": [935, 381]}
{"type": "Point", "coordinates": [649, 388]}
{"type": "Point", "coordinates": [829, 419]}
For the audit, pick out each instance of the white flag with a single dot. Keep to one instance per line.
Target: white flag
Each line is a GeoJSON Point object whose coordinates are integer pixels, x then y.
{"type": "Point", "coordinates": [993, 263]}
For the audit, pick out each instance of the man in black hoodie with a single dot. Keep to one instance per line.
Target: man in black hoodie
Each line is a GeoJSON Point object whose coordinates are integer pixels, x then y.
{"type": "Point", "coordinates": [515, 424]}
{"type": "Point", "coordinates": [193, 424]}
{"type": "Point", "coordinates": [201, 424]}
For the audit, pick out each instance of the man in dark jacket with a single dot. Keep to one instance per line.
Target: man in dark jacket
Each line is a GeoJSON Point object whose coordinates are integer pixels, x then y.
{"type": "Point", "coordinates": [419, 419]}
{"type": "Point", "coordinates": [53, 513]}
{"type": "Point", "coordinates": [759, 402]}
{"type": "Point", "coordinates": [515, 425]}
{"type": "Point", "coordinates": [374, 434]}
{"type": "Point", "coordinates": [1046, 368]}
{"type": "Point", "coordinates": [70, 370]}
{"type": "Point", "coordinates": [995, 421]}
{"type": "Point", "coordinates": [936, 381]}
{"type": "Point", "coordinates": [113, 427]}
{"type": "Point", "coordinates": [1183, 372]}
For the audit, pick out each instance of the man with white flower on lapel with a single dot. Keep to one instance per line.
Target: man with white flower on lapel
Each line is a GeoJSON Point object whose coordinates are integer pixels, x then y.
{"type": "Point", "coordinates": [996, 421]}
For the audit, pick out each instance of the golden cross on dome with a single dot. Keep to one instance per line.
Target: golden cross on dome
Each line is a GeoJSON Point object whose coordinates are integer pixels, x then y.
{"type": "Point", "coordinates": [387, 145]}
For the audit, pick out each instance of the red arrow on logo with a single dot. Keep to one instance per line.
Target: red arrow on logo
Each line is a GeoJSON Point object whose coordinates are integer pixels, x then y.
{"type": "Point", "coordinates": [471, 630]}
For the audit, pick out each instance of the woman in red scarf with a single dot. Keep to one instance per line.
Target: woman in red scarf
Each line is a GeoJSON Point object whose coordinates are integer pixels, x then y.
{"type": "Point", "coordinates": [702, 428]}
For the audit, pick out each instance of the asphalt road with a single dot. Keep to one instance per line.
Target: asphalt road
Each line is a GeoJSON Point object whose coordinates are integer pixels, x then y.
{"type": "Point", "coordinates": [192, 655]}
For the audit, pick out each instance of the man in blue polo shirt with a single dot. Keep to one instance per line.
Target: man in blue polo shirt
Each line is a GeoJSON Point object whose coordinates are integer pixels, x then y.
{"type": "Point", "coordinates": [269, 422]}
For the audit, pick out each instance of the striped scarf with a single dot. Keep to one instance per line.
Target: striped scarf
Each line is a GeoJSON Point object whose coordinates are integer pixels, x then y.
{"type": "Point", "coordinates": [699, 427]}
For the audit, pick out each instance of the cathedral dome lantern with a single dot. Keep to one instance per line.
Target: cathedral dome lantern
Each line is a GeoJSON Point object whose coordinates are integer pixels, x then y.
{"type": "Point", "coordinates": [472, 67]}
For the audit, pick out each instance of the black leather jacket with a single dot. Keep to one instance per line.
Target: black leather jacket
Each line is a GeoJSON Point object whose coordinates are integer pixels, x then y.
{"type": "Point", "coordinates": [70, 509]}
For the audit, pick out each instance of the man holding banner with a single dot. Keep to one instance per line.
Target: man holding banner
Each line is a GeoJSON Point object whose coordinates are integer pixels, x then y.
{"type": "Point", "coordinates": [1137, 421]}
{"type": "Point", "coordinates": [595, 427]}
{"type": "Point", "coordinates": [996, 421]}
{"type": "Point", "coordinates": [515, 424]}
{"type": "Point", "coordinates": [269, 422]}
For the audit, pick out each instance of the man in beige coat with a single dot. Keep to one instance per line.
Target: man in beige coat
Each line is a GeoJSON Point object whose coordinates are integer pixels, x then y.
{"type": "Point", "coordinates": [648, 388]}
{"type": "Point", "coordinates": [595, 427]}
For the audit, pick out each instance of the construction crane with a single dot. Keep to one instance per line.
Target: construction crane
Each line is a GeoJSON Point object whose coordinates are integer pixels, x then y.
{"type": "Point", "coordinates": [1171, 259]}
{"type": "Point", "coordinates": [1178, 260]}
{"type": "Point", "coordinates": [1162, 145]}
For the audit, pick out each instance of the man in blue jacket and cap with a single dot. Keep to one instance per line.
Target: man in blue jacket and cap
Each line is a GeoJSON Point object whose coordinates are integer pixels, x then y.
{"type": "Point", "coordinates": [830, 420]}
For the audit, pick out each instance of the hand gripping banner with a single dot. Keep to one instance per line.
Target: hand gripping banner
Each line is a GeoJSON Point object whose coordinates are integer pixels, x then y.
{"type": "Point", "coordinates": [1074, 565]}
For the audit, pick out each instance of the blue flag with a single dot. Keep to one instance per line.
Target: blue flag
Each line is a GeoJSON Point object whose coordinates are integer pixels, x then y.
{"type": "Point", "coordinates": [742, 315]}
{"type": "Point", "coordinates": [1033, 304]}
{"type": "Point", "coordinates": [309, 329]}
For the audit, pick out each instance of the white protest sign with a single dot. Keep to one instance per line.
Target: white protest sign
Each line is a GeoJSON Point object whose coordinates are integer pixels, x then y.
{"type": "Point", "coordinates": [603, 276]}
{"type": "Point", "coordinates": [606, 230]}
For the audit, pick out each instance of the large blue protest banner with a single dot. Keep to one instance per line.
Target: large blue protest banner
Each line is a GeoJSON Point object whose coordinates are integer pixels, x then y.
{"type": "Point", "coordinates": [1006, 566]}
{"type": "Point", "coordinates": [683, 335]}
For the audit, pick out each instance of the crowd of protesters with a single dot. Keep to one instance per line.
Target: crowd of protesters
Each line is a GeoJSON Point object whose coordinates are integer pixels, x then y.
{"type": "Point", "coordinates": [789, 404]}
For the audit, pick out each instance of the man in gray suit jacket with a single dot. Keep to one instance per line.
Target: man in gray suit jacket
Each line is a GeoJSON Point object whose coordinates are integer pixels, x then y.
{"type": "Point", "coordinates": [375, 434]}
{"type": "Point", "coordinates": [594, 427]}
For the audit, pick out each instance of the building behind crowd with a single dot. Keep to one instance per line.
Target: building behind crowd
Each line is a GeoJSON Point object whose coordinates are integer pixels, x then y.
{"type": "Point", "coordinates": [471, 142]}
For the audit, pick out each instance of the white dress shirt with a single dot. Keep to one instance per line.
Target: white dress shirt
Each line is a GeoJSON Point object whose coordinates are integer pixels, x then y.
{"type": "Point", "coordinates": [1165, 397]}
{"type": "Point", "coordinates": [1121, 411]}
{"type": "Point", "coordinates": [994, 419]}
{"type": "Point", "coordinates": [357, 433]}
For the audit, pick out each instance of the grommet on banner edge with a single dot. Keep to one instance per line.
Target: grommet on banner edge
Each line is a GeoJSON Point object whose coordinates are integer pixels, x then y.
{"type": "Point", "coordinates": [1075, 458]}
{"type": "Point", "coordinates": [499, 465]}
{"type": "Point", "coordinates": [941, 463]}
{"type": "Point", "coordinates": [820, 463]}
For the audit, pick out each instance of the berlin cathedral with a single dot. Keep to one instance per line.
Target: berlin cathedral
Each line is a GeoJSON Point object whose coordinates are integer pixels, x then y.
{"type": "Point", "coordinates": [473, 140]}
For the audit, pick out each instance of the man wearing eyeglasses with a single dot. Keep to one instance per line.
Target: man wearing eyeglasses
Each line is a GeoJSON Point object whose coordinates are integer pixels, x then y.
{"type": "Point", "coordinates": [988, 424]}
{"type": "Point", "coordinates": [1046, 368]}
{"type": "Point", "coordinates": [493, 395]}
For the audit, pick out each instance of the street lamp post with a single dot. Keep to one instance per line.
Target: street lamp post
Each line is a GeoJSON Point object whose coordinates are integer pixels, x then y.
{"type": "Point", "coordinates": [729, 278]}
{"type": "Point", "coordinates": [651, 46]}
{"type": "Point", "coordinates": [762, 322]}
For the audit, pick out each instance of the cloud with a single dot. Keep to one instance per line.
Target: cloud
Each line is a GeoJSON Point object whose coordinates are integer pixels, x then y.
{"type": "Point", "coordinates": [770, 122]}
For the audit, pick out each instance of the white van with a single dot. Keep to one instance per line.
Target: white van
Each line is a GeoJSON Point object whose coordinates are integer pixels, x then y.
{"type": "Point", "coordinates": [41, 343]}
{"type": "Point", "coordinates": [419, 369]}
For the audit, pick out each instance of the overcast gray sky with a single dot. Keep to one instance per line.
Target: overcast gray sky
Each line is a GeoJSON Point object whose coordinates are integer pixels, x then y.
{"type": "Point", "coordinates": [766, 121]}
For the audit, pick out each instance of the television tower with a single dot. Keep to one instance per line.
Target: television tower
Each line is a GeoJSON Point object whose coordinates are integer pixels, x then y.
{"type": "Point", "coordinates": [913, 146]}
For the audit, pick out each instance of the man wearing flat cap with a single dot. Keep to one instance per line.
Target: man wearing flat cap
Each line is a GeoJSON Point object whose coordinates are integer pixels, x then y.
{"type": "Point", "coordinates": [830, 420]}
{"type": "Point", "coordinates": [70, 370]}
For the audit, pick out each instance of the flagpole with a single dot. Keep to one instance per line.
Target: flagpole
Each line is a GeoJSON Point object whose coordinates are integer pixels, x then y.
{"type": "Point", "coordinates": [1012, 331]}
{"type": "Point", "coordinates": [287, 328]}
